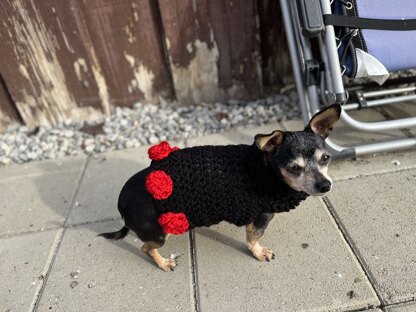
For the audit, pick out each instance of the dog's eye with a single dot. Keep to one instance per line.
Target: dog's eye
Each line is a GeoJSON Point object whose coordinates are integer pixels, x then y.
{"type": "Point", "coordinates": [325, 159]}
{"type": "Point", "coordinates": [294, 168]}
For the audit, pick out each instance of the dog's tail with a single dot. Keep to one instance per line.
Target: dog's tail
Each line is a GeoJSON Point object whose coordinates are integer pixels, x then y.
{"type": "Point", "coordinates": [120, 234]}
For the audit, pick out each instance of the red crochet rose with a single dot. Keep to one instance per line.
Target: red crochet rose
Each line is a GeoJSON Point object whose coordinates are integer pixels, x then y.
{"type": "Point", "coordinates": [159, 184]}
{"type": "Point", "coordinates": [173, 223]}
{"type": "Point", "coordinates": [160, 151]}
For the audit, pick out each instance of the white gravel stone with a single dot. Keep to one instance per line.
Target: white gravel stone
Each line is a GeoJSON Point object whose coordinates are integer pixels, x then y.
{"type": "Point", "coordinates": [142, 125]}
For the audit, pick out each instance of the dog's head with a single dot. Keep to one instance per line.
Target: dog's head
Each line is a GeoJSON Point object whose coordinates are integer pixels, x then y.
{"type": "Point", "coordinates": [300, 157]}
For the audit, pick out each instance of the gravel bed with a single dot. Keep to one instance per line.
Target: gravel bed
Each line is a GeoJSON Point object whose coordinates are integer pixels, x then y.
{"type": "Point", "coordinates": [142, 125]}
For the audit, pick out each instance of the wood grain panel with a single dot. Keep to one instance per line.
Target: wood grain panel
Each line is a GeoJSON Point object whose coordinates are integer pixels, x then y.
{"type": "Point", "coordinates": [9, 116]}
{"type": "Point", "coordinates": [126, 37]}
{"type": "Point", "coordinates": [276, 65]}
{"type": "Point", "coordinates": [44, 63]}
{"type": "Point", "coordinates": [212, 49]}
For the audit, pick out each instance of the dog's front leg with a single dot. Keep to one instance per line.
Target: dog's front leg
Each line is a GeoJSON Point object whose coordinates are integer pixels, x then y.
{"type": "Point", "coordinates": [255, 231]}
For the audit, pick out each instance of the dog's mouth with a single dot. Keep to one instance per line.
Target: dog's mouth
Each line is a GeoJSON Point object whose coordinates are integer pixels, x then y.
{"type": "Point", "coordinates": [317, 194]}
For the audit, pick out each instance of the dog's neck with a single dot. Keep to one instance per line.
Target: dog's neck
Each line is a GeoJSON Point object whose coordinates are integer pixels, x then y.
{"type": "Point", "coordinates": [267, 181]}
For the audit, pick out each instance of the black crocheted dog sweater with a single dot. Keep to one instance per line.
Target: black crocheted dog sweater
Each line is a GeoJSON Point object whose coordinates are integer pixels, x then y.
{"type": "Point", "coordinates": [201, 186]}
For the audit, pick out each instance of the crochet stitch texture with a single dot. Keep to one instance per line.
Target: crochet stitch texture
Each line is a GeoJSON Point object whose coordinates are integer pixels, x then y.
{"type": "Point", "coordinates": [229, 183]}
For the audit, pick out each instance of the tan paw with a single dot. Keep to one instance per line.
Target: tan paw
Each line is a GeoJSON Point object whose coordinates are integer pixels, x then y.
{"type": "Point", "coordinates": [167, 265]}
{"type": "Point", "coordinates": [263, 253]}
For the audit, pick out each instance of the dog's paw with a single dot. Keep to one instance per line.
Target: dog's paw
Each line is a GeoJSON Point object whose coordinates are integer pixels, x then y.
{"type": "Point", "coordinates": [263, 253]}
{"type": "Point", "coordinates": [168, 264]}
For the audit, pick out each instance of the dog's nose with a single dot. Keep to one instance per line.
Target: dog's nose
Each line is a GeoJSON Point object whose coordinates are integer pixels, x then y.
{"type": "Point", "coordinates": [323, 186]}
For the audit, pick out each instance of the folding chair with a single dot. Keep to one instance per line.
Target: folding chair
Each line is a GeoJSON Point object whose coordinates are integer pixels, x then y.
{"type": "Point", "coordinates": [353, 38]}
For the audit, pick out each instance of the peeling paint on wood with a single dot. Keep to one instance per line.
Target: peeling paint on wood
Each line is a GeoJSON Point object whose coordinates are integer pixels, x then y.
{"type": "Point", "coordinates": [6, 121]}
{"type": "Point", "coordinates": [76, 59]}
{"type": "Point", "coordinates": [143, 78]}
{"type": "Point", "coordinates": [130, 37]}
{"type": "Point", "coordinates": [8, 113]}
{"type": "Point", "coordinates": [81, 68]}
{"type": "Point", "coordinates": [198, 82]}
{"type": "Point", "coordinates": [129, 28]}
{"type": "Point", "coordinates": [39, 45]}
{"type": "Point", "coordinates": [23, 71]}
{"type": "Point", "coordinates": [102, 85]}
{"type": "Point", "coordinates": [67, 44]}
{"type": "Point", "coordinates": [212, 49]}
{"type": "Point", "coordinates": [49, 99]}
{"type": "Point", "coordinates": [100, 81]}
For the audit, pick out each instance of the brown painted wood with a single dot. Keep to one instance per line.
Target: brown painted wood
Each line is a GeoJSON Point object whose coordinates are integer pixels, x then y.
{"type": "Point", "coordinates": [212, 46]}
{"type": "Point", "coordinates": [126, 38]}
{"type": "Point", "coordinates": [276, 65]}
{"type": "Point", "coordinates": [9, 116]}
{"type": "Point", "coordinates": [75, 59]}
{"type": "Point", "coordinates": [235, 30]}
{"type": "Point", "coordinates": [45, 64]}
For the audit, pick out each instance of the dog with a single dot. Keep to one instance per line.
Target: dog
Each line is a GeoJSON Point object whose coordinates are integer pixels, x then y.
{"type": "Point", "coordinates": [245, 185]}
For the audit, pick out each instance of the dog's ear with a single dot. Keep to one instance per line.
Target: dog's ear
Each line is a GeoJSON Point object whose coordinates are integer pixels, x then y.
{"type": "Point", "coordinates": [323, 122]}
{"type": "Point", "coordinates": [269, 143]}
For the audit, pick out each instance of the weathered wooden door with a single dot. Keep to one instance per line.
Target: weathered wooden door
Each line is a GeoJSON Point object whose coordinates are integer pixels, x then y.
{"type": "Point", "coordinates": [77, 59]}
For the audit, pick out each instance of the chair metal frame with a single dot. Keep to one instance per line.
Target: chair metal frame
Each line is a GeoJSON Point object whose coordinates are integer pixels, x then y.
{"type": "Point", "coordinates": [331, 89]}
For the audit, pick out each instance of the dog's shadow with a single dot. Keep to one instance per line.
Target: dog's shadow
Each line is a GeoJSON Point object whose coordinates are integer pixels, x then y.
{"type": "Point", "coordinates": [209, 233]}
{"type": "Point", "coordinates": [107, 218]}
{"type": "Point", "coordinates": [134, 249]}
{"type": "Point", "coordinates": [226, 240]}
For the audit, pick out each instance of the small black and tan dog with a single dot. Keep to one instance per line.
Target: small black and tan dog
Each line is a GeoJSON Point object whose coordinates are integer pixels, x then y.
{"type": "Point", "coordinates": [240, 184]}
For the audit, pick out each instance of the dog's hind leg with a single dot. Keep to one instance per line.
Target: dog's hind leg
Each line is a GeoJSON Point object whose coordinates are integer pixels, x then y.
{"type": "Point", "coordinates": [151, 249]}
{"type": "Point", "coordinates": [255, 231]}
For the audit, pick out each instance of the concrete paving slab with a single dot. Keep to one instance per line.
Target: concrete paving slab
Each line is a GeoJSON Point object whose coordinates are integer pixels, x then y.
{"type": "Point", "coordinates": [367, 164]}
{"type": "Point", "coordinates": [236, 136]}
{"type": "Point", "coordinates": [410, 307]}
{"type": "Point", "coordinates": [314, 269]}
{"type": "Point", "coordinates": [40, 167]}
{"type": "Point", "coordinates": [22, 267]}
{"type": "Point", "coordinates": [91, 273]}
{"type": "Point", "coordinates": [37, 195]}
{"type": "Point", "coordinates": [373, 164]}
{"type": "Point", "coordinates": [103, 180]}
{"type": "Point", "coordinates": [379, 214]}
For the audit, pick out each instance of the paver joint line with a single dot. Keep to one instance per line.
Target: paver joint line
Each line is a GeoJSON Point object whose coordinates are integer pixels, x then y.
{"type": "Point", "coordinates": [57, 243]}
{"type": "Point", "coordinates": [375, 174]}
{"type": "Point", "coordinates": [103, 220]}
{"type": "Point", "coordinates": [30, 232]}
{"type": "Point", "coordinates": [59, 227]}
{"type": "Point", "coordinates": [410, 301]}
{"type": "Point", "coordinates": [192, 252]}
{"type": "Point", "coordinates": [194, 271]}
{"type": "Point", "coordinates": [362, 309]}
{"type": "Point", "coordinates": [47, 269]}
{"type": "Point", "coordinates": [81, 177]}
{"type": "Point", "coordinates": [352, 246]}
